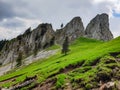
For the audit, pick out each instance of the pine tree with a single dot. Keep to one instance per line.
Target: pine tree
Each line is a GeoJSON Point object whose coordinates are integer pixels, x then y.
{"type": "Point", "coordinates": [19, 59]}
{"type": "Point", "coordinates": [65, 46]}
{"type": "Point", "coordinates": [35, 49]}
{"type": "Point", "coordinates": [61, 25]}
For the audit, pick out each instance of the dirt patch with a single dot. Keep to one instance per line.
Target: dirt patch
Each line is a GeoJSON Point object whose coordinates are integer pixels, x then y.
{"type": "Point", "coordinates": [104, 76]}
{"type": "Point", "coordinates": [30, 78]}
{"type": "Point", "coordinates": [25, 83]}
{"type": "Point", "coordinates": [10, 79]}
{"type": "Point", "coordinates": [68, 68]}
{"type": "Point", "coordinates": [47, 85]}
{"type": "Point", "coordinates": [114, 54]}
{"type": "Point", "coordinates": [94, 63]}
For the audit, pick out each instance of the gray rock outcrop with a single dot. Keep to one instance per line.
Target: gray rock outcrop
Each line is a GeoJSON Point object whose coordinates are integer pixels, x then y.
{"type": "Point", "coordinates": [98, 28]}
{"type": "Point", "coordinates": [41, 37]}
{"type": "Point", "coordinates": [44, 36]}
{"type": "Point", "coordinates": [73, 30]}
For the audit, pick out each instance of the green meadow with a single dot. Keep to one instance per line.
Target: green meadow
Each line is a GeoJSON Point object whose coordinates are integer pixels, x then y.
{"type": "Point", "coordinates": [86, 58]}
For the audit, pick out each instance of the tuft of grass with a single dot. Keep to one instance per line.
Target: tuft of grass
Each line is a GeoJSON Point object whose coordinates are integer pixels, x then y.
{"type": "Point", "coordinates": [53, 47]}
{"type": "Point", "coordinates": [60, 80]}
{"type": "Point", "coordinates": [118, 56]}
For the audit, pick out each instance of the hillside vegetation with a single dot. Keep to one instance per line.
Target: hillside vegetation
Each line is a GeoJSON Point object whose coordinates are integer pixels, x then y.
{"type": "Point", "coordinates": [87, 63]}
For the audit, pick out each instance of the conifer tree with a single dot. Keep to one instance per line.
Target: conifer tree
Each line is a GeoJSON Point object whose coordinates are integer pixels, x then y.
{"type": "Point", "coordinates": [65, 46]}
{"type": "Point", "coordinates": [61, 25]}
{"type": "Point", "coordinates": [35, 49]}
{"type": "Point", "coordinates": [19, 59]}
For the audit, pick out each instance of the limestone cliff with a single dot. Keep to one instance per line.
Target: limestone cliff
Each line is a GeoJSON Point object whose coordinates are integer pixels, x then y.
{"type": "Point", "coordinates": [44, 36]}
{"type": "Point", "coordinates": [98, 28]}
{"type": "Point", "coordinates": [73, 30]}
{"type": "Point", "coordinates": [41, 38]}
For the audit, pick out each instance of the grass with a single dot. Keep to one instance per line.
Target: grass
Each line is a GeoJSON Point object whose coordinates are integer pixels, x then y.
{"type": "Point", "coordinates": [85, 49]}
{"type": "Point", "coordinates": [60, 80]}
{"type": "Point", "coordinates": [53, 47]}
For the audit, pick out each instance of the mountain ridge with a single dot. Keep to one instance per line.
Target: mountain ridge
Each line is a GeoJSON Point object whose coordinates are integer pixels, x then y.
{"type": "Point", "coordinates": [44, 36]}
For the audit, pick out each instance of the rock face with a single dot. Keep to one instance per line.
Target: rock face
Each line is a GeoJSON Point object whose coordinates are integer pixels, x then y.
{"type": "Point", "coordinates": [98, 28]}
{"type": "Point", "coordinates": [44, 36]}
{"type": "Point", "coordinates": [73, 30]}
{"type": "Point", "coordinates": [40, 38]}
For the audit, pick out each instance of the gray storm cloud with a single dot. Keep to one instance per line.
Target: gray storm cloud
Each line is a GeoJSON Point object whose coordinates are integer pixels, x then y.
{"type": "Point", "coordinates": [6, 10]}
{"type": "Point", "coordinates": [32, 12]}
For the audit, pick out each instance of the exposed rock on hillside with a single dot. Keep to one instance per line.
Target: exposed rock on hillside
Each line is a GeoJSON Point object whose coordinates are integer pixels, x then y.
{"type": "Point", "coordinates": [73, 30]}
{"type": "Point", "coordinates": [40, 38]}
{"type": "Point", "coordinates": [44, 36]}
{"type": "Point", "coordinates": [98, 28]}
{"type": "Point", "coordinates": [30, 59]}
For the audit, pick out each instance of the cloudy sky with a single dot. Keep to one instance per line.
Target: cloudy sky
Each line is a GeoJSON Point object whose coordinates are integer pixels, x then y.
{"type": "Point", "coordinates": [18, 15]}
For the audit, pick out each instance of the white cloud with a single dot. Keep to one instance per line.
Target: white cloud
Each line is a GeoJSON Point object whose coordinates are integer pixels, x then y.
{"type": "Point", "coordinates": [114, 21]}
{"type": "Point", "coordinates": [29, 22]}
{"type": "Point", "coordinates": [115, 26]}
{"type": "Point", "coordinates": [32, 12]}
{"type": "Point", "coordinates": [6, 33]}
{"type": "Point", "coordinates": [11, 32]}
{"type": "Point", "coordinates": [117, 6]}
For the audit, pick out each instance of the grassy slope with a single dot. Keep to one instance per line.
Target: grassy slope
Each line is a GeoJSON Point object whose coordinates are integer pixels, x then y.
{"type": "Point", "coordinates": [82, 49]}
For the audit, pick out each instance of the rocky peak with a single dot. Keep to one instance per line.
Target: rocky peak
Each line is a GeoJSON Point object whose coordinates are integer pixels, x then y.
{"type": "Point", "coordinates": [44, 28]}
{"type": "Point", "coordinates": [73, 30]}
{"type": "Point", "coordinates": [44, 36]}
{"type": "Point", "coordinates": [98, 28]}
{"type": "Point", "coordinates": [40, 38]}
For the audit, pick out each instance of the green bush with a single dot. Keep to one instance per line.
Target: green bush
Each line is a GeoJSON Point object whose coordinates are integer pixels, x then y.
{"type": "Point", "coordinates": [19, 60]}
{"type": "Point", "coordinates": [88, 86]}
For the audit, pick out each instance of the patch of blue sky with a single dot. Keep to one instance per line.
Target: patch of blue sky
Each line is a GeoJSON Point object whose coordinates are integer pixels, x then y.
{"type": "Point", "coordinates": [116, 14]}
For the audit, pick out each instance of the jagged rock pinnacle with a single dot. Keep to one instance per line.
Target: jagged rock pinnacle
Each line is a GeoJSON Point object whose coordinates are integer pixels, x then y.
{"type": "Point", "coordinates": [98, 28]}
{"type": "Point", "coordinates": [73, 30]}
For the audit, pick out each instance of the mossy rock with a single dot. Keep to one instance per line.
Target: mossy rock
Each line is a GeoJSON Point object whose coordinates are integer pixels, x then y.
{"type": "Point", "coordinates": [108, 59]}
{"type": "Point", "coordinates": [112, 65]}
{"type": "Point", "coordinates": [82, 69]}
{"type": "Point", "coordinates": [88, 86]}
{"type": "Point", "coordinates": [95, 84]}
{"type": "Point", "coordinates": [104, 76]}
{"type": "Point", "coordinates": [118, 56]}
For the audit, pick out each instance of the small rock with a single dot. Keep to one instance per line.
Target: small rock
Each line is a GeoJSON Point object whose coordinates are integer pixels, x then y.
{"type": "Point", "coordinates": [110, 85]}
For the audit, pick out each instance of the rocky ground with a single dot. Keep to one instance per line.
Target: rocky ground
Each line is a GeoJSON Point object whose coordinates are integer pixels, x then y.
{"type": "Point", "coordinates": [28, 60]}
{"type": "Point", "coordinates": [40, 55]}
{"type": "Point", "coordinates": [104, 79]}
